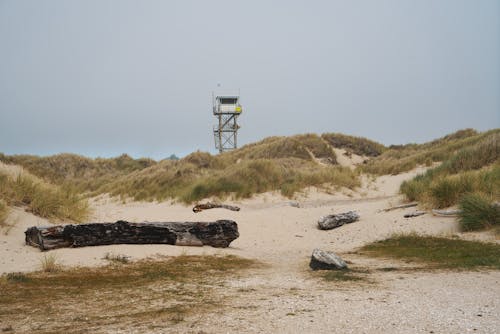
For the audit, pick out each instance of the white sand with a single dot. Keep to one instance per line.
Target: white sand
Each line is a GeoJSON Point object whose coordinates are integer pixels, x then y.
{"type": "Point", "coordinates": [283, 236]}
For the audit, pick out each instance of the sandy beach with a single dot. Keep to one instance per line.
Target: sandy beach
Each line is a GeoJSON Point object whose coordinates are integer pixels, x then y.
{"type": "Point", "coordinates": [283, 297]}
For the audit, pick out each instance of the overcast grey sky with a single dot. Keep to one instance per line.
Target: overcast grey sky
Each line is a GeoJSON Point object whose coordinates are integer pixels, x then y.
{"type": "Point", "coordinates": [101, 78]}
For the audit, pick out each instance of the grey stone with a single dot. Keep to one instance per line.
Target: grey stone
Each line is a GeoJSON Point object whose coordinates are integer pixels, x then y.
{"type": "Point", "coordinates": [332, 221]}
{"type": "Point", "coordinates": [326, 260]}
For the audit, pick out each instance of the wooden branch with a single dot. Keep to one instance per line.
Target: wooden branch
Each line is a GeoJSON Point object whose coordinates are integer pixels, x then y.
{"type": "Point", "coordinates": [332, 221]}
{"type": "Point", "coordinates": [217, 234]}
{"type": "Point", "coordinates": [206, 206]}
{"type": "Point", "coordinates": [414, 214]}
{"type": "Point", "coordinates": [402, 206]}
{"type": "Point", "coordinates": [446, 213]}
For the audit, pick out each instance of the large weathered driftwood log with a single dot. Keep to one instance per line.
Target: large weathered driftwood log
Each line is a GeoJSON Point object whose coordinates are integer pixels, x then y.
{"type": "Point", "coordinates": [332, 221]}
{"type": "Point", "coordinates": [206, 206]}
{"type": "Point", "coordinates": [217, 234]}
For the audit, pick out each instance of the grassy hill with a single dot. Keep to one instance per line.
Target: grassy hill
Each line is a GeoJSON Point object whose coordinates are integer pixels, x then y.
{"type": "Point", "coordinates": [286, 164]}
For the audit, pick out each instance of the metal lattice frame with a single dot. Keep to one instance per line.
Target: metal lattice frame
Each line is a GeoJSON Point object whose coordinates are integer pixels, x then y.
{"type": "Point", "coordinates": [226, 131]}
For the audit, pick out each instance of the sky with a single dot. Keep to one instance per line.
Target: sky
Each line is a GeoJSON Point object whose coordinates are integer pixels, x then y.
{"type": "Point", "coordinates": [103, 77]}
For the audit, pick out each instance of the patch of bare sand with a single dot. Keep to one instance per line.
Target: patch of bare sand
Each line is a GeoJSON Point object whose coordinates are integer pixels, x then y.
{"type": "Point", "coordinates": [350, 160]}
{"type": "Point", "coordinates": [284, 297]}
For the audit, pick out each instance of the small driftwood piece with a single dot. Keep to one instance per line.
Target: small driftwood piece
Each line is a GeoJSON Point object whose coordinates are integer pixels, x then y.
{"type": "Point", "coordinates": [217, 234]}
{"type": "Point", "coordinates": [446, 213]}
{"type": "Point", "coordinates": [206, 206]}
{"type": "Point", "coordinates": [332, 221]}
{"type": "Point", "coordinates": [402, 206]}
{"type": "Point", "coordinates": [414, 214]}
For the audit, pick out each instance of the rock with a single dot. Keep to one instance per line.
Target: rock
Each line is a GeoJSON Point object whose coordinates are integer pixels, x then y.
{"type": "Point", "coordinates": [326, 260]}
{"type": "Point", "coordinates": [332, 221]}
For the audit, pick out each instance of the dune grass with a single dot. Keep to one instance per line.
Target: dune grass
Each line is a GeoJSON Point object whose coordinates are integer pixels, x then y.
{"type": "Point", "coordinates": [437, 252]}
{"type": "Point", "coordinates": [285, 164]}
{"type": "Point", "coordinates": [125, 295]}
{"type": "Point", "coordinates": [4, 212]}
{"type": "Point", "coordinates": [474, 169]}
{"type": "Point", "coordinates": [402, 158]}
{"type": "Point", "coordinates": [258, 176]}
{"type": "Point", "coordinates": [41, 198]}
{"type": "Point", "coordinates": [356, 145]}
{"type": "Point", "coordinates": [77, 172]}
{"type": "Point", "coordinates": [478, 212]}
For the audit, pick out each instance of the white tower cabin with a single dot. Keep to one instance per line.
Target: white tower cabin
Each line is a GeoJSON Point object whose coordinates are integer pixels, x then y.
{"type": "Point", "coordinates": [226, 108]}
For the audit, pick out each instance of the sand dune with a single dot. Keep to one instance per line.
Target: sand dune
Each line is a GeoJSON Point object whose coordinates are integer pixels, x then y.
{"type": "Point", "coordinates": [283, 298]}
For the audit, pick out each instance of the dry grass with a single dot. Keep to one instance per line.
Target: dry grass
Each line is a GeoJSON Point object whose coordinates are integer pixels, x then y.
{"type": "Point", "coordinates": [286, 164]}
{"type": "Point", "coordinates": [77, 172]}
{"type": "Point", "coordinates": [356, 145]}
{"type": "Point", "coordinates": [135, 295]}
{"type": "Point", "coordinates": [4, 212]}
{"type": "Point", "coordinates": [398, 159]}
{"type": "Point", "coordinates": [478, 212]}
{"type": "Point", "coordinates": [41, 198]}
{"type": "Point", "coordinates": [474, 169]}
{"type": "Point", "coordinates": [48, 264]}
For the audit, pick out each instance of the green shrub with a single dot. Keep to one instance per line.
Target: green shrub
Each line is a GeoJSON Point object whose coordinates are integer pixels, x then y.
{"type": "Point", "coordinates": [477, 212]}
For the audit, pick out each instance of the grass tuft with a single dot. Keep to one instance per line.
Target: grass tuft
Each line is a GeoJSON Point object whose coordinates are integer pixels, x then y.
{"type": "Point", "coordinates": [4, 212]}
{"type": "Point", "coordinates": [438, 252]}
{"type": "Point", "coordinates": [117, 258]}
{"type": "Point", "coordinates": [49, 264]}
{"type": "Point", "coordinates": [478, 213]}
{"type": "Point", "coordinates": [17, 277]}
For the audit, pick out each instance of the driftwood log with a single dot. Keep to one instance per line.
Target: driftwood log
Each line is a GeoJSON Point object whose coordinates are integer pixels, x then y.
{"type": "Point", "coordinates": [332, 221]}
{"type": "Point", "coordinates": [217, 234]}
{"type": "Point", "coordinates": [206, 206]}
{"type": "Point", "coordinates": [402, 206]}
{"type": "Point", "coordinates": [414, 214]}
{"type": "Point", "coordinates": [446, 213]}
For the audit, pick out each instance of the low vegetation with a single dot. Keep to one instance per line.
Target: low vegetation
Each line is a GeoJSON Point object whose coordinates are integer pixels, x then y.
{"type": "Point", "coordinates": [116, 258]}
{"type": "Point", "coordinates": [48, 264]}
{"type": "Point", "coordinates": [402, 158]}
{"type": "Point", "coordinates": [4, 211]}
{"type": "Point", "coordinates": [346, 275]}
{"type": "Point", "coordinates": [356, 145]}
{"type": "Point", "coordinates": [473, 170]}
{"type": "Point", "coordinates": [477, 212]}
{"type": "Point", "coordinates": [437, 252]}
{"type": "Point", "coordinates": [77, 172]}
{"type": "Point", "coordinates": [41, 198]}
{"type": "Point", "coordinates": [138, 295]}
{"type": "Point", "coordinates": [285, 164]}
